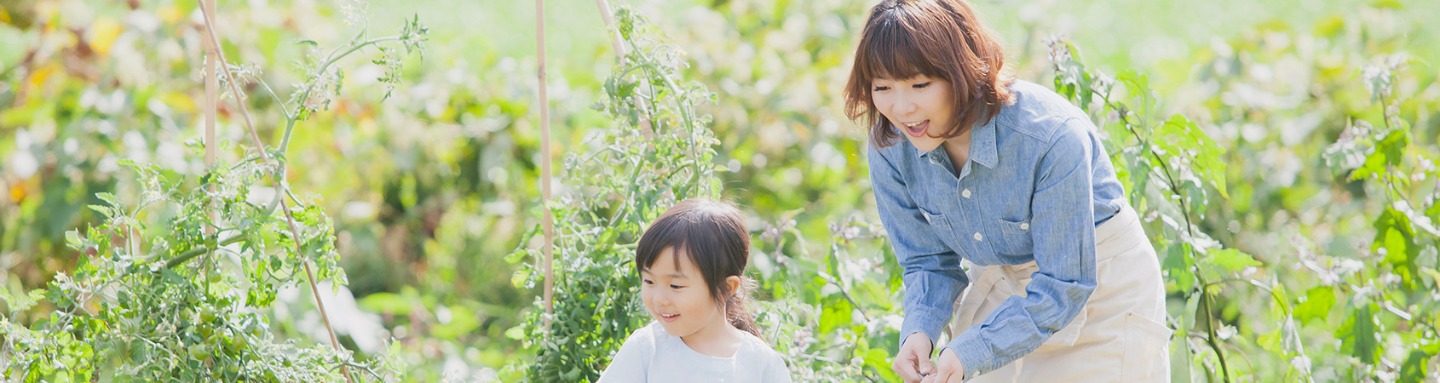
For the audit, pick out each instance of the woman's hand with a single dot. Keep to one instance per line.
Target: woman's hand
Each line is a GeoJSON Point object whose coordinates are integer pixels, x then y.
{"type": "Point", "coordinates": [950, 371]}
{"type": "Point", "coordinates": [913, 360]}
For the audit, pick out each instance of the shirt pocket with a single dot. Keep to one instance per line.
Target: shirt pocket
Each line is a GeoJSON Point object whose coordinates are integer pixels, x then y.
{"type": "Point", "coordinates": [935, 219]}
{"type": "Point", "coordinates": [1014, 238]}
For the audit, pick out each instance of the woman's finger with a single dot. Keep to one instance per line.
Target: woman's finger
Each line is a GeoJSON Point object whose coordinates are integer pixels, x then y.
{"type": "Point", "coordinates": [905, 366]}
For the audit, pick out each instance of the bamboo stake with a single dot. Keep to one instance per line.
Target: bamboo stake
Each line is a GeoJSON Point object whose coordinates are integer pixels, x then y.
{"type": "Point", "coordinates": [265, 157]}
{"type": "Point", "coordinates": [545, 180]}
{"type": "Point", "coordinates": [212, 97]}
{"type": "Point", "coordinates": [212, 90]}
{"type": "Point", "coordinates": [618, 43]}
{"type": "Point", "coordinates": [615, 40]}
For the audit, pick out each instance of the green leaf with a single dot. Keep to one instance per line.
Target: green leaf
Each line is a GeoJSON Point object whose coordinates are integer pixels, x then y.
{"type": "Point", "coordinates": [1374, 164]}
{"type": "Point", "coordinates": [516, 333]}
{"type": "Point", "coordinates": [1388, 4]}
{"type": "Point", "coordinates": [1317, 304]}
{"type": "Point", "coordinates": [73, 240]}
{"type": "Point", "coordinates": [1357, 334]}
{"type": "Point", "coordinates": [1394, 145]}
{"type": "Point", "coordinates": [1133, 79]}
{"type": "Point", "coordinates": [1179, 267]}
{"type": "Point", "coordinates": [1232, 260]}
{"type": "Point", "coordinates": [388, 303]}
{"type": "Point", "coordinates": [1396, 236]}
{"type": "Point", "coordinates": [462, 321]}
{"type": "Point", "coordinates": [1395, 245]}
{"type": "Point", "coordinates": [103, 210]}
{"type": "Point", "coordinates": [1388, 152]}
{"type": "Point", "coordinates": [1413, 370]}
{"type": "Point", "coordinates": [521, 278]}
{"type": "Point", "coordinates": [1178, 136]}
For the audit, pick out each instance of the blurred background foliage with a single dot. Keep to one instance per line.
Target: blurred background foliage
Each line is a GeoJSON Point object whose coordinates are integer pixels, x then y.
{"type": "Point", "coordinates": [431, 189]}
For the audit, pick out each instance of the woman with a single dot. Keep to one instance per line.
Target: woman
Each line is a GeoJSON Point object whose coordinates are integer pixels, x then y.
{"type": "Point", "coordinates": [1063, 284]}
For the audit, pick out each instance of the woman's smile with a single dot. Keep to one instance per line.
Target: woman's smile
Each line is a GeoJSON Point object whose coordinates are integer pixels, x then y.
{"type": "Point", "coordinates": [917, 129]}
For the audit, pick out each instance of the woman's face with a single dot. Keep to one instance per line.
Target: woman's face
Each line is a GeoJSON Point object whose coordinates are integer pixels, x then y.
{"type": "Point", "coordinates": [920, 107]}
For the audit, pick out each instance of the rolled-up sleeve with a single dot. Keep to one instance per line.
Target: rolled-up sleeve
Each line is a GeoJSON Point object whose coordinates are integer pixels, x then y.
{"type": "Point", "coordinates": [1063, 231]}
{"type": "Point", "coordinates": [932, 276]}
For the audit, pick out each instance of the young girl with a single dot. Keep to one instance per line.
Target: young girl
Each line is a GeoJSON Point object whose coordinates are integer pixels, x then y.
{"type": "Point", "coordinates": [691, 263]}
{"type": "Point", "coordinates": [1063, 284]}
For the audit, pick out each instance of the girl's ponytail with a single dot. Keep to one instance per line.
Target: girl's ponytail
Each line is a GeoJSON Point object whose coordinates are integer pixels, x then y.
{"type": "Point", "coordinates": [737, 308]}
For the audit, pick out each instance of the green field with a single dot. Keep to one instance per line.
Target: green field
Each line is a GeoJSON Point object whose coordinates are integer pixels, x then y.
{"type": "Point", "coordinates": [1283, 155]}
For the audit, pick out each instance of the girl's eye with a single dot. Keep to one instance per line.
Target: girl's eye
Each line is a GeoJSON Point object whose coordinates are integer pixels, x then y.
{"type": "Point", "coordinates": [881, 88]}
{"type": "Point", "coordinates": [922, 85]}
{"type": "Point", "coordinates": [648, 282]}
{"type": "Point", "coordinates": [677, 287]}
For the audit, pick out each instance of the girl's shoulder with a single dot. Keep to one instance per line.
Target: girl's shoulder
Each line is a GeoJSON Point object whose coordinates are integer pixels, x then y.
{"type": "Point", "coordinates": [758, 353]}
{"type": "Point", "coordinates": [648, 337]}
{"type": "Point", "coordinates": [757, 348]}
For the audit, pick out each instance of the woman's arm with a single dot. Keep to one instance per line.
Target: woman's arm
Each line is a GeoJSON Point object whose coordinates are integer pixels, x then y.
{"type": "Point", "coordinates": [1062, 227]}
{"type": "Point", "coordinates": [933, 278]}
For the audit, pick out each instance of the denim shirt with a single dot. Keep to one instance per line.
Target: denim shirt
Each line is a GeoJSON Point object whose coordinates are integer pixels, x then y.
{"type": "Point", "coordinates": [1036, 184]}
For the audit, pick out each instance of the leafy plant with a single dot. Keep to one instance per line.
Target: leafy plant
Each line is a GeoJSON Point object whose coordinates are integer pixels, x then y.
{"type": "Point", "coordinates": [658, 152]}
{"type": "Point", "coordinates": [166, 291]}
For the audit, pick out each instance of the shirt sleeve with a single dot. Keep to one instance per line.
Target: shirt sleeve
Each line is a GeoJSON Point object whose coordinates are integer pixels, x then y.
{"type": "Point", "coordinates": [932, 275]}
{"type": "Point", "coordinates": [631, 362]}
{"type": "Point", "coordinates": [1063, 230]}
{"type": "Point", "coordinates": [776, 371]}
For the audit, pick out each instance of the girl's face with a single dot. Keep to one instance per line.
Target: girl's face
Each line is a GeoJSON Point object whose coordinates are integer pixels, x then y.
{"type": "Point", "coordinates": [679, 298]}
{"type": "Point", "coordinates": [920, 107]}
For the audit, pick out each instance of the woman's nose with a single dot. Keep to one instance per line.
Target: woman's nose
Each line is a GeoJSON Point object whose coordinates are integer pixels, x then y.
{"type": "Point", "coordinates": [903, 106]}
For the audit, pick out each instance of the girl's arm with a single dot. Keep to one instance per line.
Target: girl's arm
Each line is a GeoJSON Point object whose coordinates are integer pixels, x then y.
{"type": "Point", "coordinates": [933, 278]}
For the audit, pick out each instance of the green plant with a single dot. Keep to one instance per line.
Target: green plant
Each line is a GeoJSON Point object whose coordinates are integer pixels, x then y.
{"type": "Point", "coordinates": [1168, 165]}
{"type": "Point", "coordinates": [165, 291]}
{"type": "Point", "coordinates": [659, 151]}
{"type": "Point", "coordinates": [1171, 166]}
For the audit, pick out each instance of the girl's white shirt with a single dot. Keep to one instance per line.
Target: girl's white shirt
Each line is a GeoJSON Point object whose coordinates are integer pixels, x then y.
{"type": "Point", "coordinates": [653, 355]}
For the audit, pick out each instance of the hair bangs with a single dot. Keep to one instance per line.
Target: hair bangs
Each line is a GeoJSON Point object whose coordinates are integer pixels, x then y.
{"type": "Point", "coordinates": [893, 52]}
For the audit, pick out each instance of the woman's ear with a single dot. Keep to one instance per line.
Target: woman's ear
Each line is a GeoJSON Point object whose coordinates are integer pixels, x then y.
{"type": "Point", "coordinates": [732, 285]}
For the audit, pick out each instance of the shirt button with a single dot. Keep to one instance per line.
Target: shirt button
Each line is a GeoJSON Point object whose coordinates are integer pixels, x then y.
{"type": "Point", "coordinates": [978, 236]}
{"type": "Point", "coordinates": [1025, 226]}
{"type": "Point", "coordinates": [965, 193]}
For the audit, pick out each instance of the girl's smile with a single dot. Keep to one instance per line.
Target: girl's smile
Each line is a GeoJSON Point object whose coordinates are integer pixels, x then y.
{"type": "Point", "coordinates": [676, 295]}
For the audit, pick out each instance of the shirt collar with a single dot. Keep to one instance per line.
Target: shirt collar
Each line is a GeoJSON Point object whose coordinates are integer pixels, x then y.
{"type": "Point", "coordinates": [982, 145]}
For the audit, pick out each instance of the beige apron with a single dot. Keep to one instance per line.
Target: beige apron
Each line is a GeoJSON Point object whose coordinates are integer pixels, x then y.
{"type": "Point", "coordinates": [1119, 335]}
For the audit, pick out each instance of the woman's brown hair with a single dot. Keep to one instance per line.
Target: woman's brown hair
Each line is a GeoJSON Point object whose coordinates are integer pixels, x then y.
{"type": "Point", "coordinates": [712, 235]}
{"type": "Point", "coordinates": [939, 39]}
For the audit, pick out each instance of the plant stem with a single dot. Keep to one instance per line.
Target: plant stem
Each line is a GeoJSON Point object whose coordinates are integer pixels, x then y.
{"type": "Point", "coordinates": [192, 253]}
{"type": "Point", "coordinates": [330, 59]}
{"type": "Point", "coordinates": [260, 147]}
{"type": "Point", "coordinates": [1189, 230]}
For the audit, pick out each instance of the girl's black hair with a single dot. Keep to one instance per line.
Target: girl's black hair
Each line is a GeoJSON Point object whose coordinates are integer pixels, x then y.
{"type": "Point", "coordinates": [712, 235]}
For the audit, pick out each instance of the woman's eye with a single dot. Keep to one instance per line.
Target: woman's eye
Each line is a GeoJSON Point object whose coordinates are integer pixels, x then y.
{"type": "Point", "coordinates": [922, 85]}
{"type": "Point", "coordinates": [677, 287]}
{"type": "Point", "coordinates": [881, 88]}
